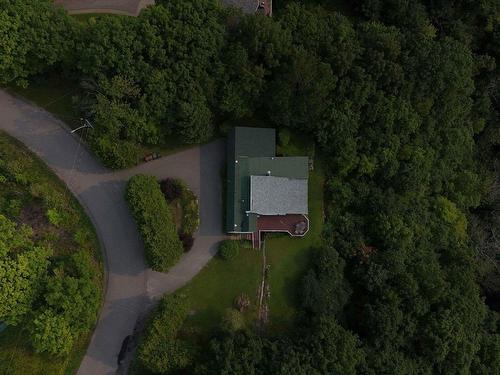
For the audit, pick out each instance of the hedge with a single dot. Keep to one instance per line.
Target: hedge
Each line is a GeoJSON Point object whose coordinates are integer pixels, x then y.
{"type": "Point", "coordinates": [154, 220]}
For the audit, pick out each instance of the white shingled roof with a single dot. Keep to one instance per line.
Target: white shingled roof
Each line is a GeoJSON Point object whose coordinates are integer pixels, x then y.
{"type": "Point", "coordinates": [270, 195]}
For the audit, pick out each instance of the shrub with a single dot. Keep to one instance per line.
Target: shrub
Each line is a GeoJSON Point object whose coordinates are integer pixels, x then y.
{"type": "Point", "coordinates": [171, 189]}
{"type": "Point", "coordinates": [115, 154]}
{"type": "Point", "coordinates": [74, 298]}
{"type": "Point", "coordinates": [232, 321]}
{"type": "Point", "coordinates": [228, 249]}
{"type": "Point", "coordinates": [190, 212]}
{"type": "Point", "coordinates": [14, 207]}
{"type": "Point", "coordinates": [284, 137]}
{"type": "Point", "coordinates": [155, 223]}
{"type": "Point", "coordinates": [54, 217]}
{"type": "Point", "coordinates": [160, 350]}
{"type": "Point", "coordinates": [51, 333]}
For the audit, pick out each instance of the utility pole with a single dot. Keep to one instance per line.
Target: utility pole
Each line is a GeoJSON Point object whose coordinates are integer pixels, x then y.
{"type": "Point", "coordinates": [86, 124]}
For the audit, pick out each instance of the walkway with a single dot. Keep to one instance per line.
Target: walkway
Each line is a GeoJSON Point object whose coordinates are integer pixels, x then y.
{"type": "Point", "coordinates": [125, 7]}
{"type": "Point", "coordinates": [131, 286]}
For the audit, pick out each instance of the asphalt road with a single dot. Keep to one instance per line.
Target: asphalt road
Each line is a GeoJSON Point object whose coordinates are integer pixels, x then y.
{"type": "Point", "coordinates": [131, 286]}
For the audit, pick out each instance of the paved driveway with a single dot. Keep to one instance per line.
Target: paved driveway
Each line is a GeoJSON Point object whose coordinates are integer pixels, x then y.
{"type": "Point", "coordinates": [126, 7]}
{"type": "Point", "coordinates": [131, 287]}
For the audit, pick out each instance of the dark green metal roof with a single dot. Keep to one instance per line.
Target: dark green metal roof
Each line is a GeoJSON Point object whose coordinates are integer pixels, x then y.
{"type": "Point", "coordinates": [252, 142]}
{"type": "Point", "coordinates": [251, 151]}
{"type": "Point", "coordinates": [291, 167]}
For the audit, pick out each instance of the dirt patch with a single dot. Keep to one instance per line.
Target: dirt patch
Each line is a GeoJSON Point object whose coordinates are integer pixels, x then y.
{"type": "Point", "coordinates": [33, 215]}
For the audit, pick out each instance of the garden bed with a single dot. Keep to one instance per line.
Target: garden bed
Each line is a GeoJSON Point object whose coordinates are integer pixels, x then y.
{"type": "Point", "coordinates": [184, 206]}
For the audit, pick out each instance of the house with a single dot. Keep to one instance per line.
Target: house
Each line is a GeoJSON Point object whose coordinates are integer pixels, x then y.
{"type": "Point", "coordinates": [265, 193]}
{"type": "Point", "coordinates": [251, 6]}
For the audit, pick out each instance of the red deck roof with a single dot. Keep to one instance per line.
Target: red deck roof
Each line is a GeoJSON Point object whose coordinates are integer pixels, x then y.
{"type": "Point", "coordinates": [280, 223]}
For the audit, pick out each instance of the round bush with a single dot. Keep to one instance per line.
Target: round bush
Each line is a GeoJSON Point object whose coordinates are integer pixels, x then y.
{"type": "Point", "coordinates": [228, 249]}
{"type": "Point", "coordinates": [232, 321]}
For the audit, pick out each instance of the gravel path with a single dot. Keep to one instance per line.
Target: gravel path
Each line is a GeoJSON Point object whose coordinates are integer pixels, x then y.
{"type": "Point", "coordinates": [131, 286]}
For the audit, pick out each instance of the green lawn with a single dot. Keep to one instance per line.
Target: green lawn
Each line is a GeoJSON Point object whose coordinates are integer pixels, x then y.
{"type": "Point", "coordinates": [36, 181]}
{"type": "Point", "coordinates": [53, 94]}
{"type": "Point", "coordinates": [214, 289]}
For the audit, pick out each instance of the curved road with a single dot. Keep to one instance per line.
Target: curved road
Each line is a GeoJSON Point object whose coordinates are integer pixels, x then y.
{"type": "Point", "coordinates": [131, 287]}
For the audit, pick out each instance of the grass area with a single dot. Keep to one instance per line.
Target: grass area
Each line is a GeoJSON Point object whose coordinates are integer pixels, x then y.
{"type": "Point", "coordinates": [289, 257]}
{"type": "Point", "coordinates": [53, 94]}
{"type": "Point", "coordinates": [25, 199]}
{"type": "Point", "coordinates": [214, 289]}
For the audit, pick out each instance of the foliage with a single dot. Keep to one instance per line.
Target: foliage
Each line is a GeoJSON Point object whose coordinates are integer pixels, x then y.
{"type": "Point", "coordinates": [35, 36]}
{"type": "Point", "coordinates": [50, 293]}
{"type": "Point", "coordinates": [155, 223]}
{"type": "Point", "coordinates": [328, 349]}
{"type": "Point", "coordinates": [228, 249]}
{"type": "Point", "coordinates": [54, 217]}
{"type": "Point", "coordinates": [190, 211]}
{"type": "Point", "coordinates": [402, 103]}
{"type": "Point", "coordinates": [161, 350]}
{"type": "Point", "coordinates": [324, 290]}
{"type": "Point", "coordinates": [232, 321]}
{"type": "Point", "coordinates": [52, 333]}
{"type": "Point", "coordinates": [171, 189]}
{"type": "Point", "coordinates": [169, 57]}
{"type": "Point", "coordinates": [116, 125]}
{"type": "Point", "coordinates": [22, 270]}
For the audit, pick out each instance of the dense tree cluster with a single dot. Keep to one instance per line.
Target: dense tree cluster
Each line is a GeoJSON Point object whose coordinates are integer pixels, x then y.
{"type": "Point", "coordinates": [403, 105]}
{"type": "Point", "coordinates": [155, 222]}
{"type": "Point", "coordinates": [34, 36]}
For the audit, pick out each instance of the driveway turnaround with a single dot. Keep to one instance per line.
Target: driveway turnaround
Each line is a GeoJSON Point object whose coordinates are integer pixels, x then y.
{"type": "Point", "coordinates": [125, 7]}
{"type": "Point", "coordinates": [131, 286]}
